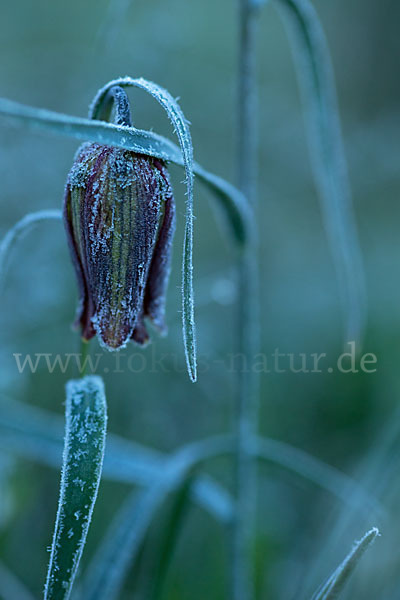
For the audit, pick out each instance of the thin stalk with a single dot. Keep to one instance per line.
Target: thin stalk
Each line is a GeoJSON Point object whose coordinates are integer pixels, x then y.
{"type": "Point", "coordinates": [116, 98]}
{"type": "Point", "coordinates": [85, 348]}
{"type": "Point", "coordinates": [248, 313]}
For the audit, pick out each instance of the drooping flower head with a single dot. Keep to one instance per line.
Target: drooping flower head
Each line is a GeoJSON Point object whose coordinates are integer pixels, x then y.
{"type": "Point", "coordinates": [119, 215]}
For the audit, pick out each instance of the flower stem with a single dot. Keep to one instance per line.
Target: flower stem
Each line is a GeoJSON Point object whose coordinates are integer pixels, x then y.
{"type": "Point", "coordinates": [117, 98]}
{"type": "Point", "coordinates": [248, 313]}
{"type": "Point", "coordinates": [85, 347]}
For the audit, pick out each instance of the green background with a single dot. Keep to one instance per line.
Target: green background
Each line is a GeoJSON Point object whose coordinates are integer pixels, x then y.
{"type": "Point", "coordinates": [56, 55]}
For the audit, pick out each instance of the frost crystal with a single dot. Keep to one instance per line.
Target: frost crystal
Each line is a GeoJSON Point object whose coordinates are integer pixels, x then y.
{"type": "Point", "coordinates": [119, 215]}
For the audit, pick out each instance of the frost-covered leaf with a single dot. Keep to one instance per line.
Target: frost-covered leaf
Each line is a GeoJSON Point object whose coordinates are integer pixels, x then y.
{"type": "Point", "coordinates": [127, 531]}
{"type": "Point", "coordinates": [233, 202]}
{"type": "Point", "coordinates": [333, 587]}
{"type": "Point", "coordinates": [85, 434]}
{"type": "Point", "coordinates": [235, 206]}
{"type": "Point", "coordinates": [137, 140]}
{"type": "Point", "coordinates": [18, 230]}
{"type": "Point", "coordinates": [36, 434]}
{"type": "Point", "coordinates": [315, 75]}
{"type": "Point", "coordinates": [181, 128]}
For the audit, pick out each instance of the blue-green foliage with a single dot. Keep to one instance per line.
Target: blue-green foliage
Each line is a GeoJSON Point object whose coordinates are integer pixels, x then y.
{"type": "Point", "coordinates": [85, 437]}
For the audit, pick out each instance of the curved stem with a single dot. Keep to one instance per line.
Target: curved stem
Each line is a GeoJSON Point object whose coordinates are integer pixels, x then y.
{"type": "Point", "coordinates": [181, 129]}
{"type": "Point", "coordinates": [21, 227]}
{"type": "Point", "coordinates": [247, 380]}
{"type": "Point", "coordinates": [233, 202]}
{"type": "Point", "coordinates": [117, 98]}
{"type": "Point", "coordinates": [328, 160]}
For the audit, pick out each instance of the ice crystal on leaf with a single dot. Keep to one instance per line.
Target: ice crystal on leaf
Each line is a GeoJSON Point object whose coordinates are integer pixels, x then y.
{"type": "Point", "coordinates": [119, 214]}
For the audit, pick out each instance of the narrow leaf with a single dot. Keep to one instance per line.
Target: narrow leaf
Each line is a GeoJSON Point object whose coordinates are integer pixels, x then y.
{"type": "Point", "coordinates": [11, 587]}
{"type": "Point", "coordinates": [235, 206]}
{"type": "Point", "coordinates": [144, 142]}
{"type": "Point", "coordinates": [315, 75]}
{"type": "Point", "coordinates": [85, 436]}
{"type": "Point", "coordinates": [18, 230]}
{"type": "Point", "coordinates": [181, 128]}
{"type": "Point", "coordinates": [334, 585]}
{"type": "Point", "coordinates": [170, 536]}
{"type": "Point", "coordinates": [325, 476]}
{"type": "Point", "coordinates": [36, 434]}
{"type": "Point", "coordinates": [126, 533]}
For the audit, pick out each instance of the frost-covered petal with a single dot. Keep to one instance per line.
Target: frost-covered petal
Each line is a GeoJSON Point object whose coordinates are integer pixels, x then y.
{"type": "Point", "coordinates": [115, 210]}
{"type": "Point", "coordinates": [85, 309]}
{"type": "Point", "coordinates": [154, 300]}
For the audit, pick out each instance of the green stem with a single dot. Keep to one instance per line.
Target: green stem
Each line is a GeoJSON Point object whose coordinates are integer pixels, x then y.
{"type": "Point", "coordinates": [116, 98]}
{"type": "Point", "coordinates": [246, 114]}
{"type": "Point", "coordinates": [248, 313]}
{"type": "Point", "coordinates": [85, 347]}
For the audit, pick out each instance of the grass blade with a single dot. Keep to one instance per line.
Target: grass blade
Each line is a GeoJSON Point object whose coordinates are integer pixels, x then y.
{"type": "Point", "coordinates": [36, 434]}
{"type": "Point", "coordinates": [325, 476]}
{"type": "Point", "coordinates": [11, 587]}
{"type": "Point", "coordinates": [235, 206]}
{"type": "Point", "coordinates": [334, 585]}
{"type": "Point", "coordinates": [181, 128]}
{"type": "Point", "coordinates": [21, 227]}
{"type": "Point", "coordinates": [137, 140]}
{"type": "Point", "coordinates": [126, 533]}
{"type": "Point", "coordinates": [86, 419]}
{"type": "Point", "coordinates": [170, 537]}
{"type": "Point", "coordinates": [315, 75]}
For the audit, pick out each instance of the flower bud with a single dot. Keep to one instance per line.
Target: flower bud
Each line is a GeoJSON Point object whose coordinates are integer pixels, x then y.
{"type": "Point", "coordinates": [119, 215]}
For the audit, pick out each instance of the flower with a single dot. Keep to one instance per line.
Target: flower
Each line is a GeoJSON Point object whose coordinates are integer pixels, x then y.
{"type": "Point", "coordinates": [119, 215]}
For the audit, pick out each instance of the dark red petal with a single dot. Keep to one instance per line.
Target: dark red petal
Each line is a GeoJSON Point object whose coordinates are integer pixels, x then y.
{"type": "Point", "coordinates": [85, 308]}
{"type": "Point", "coordinates": [140, 335]}
{"type": "Point", "coordinates": [120, 216]}
{"type": "Point", "coordinates": [120, 224]}
{"type": "Point", "coordinates": [155, 296]}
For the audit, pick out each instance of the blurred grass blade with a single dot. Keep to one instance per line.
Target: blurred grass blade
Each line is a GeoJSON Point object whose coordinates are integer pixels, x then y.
{"type": "Point", "coordinates": [170, 536]}
{"type": "Point", "coordinates": [377, 471]}
{"type": "Point", "coordinates": [124, 538]}
{"type": "Point", "coordinates": [11, 588]}
{"type": "Point", "coordinates": [334, 585]}
{"type": "Point", "coordinates": [18, 230]}
{"type": "Point", "coordinates": [317, 85]}
{"type": "Point", "coordinates": [112, 21]}
{"type": "Point", "coordinates": [36, 434]}
{"type": "Point", "coordinates": [181, 128]}
{"type": "Point", "coordinates": [234, 204]}
{"type": "Point", "coordinates": [85, 435]}
{"type": "Point", "coordinates": [327, 477]}
{"type": "Point", "coordinates": [144, 142]}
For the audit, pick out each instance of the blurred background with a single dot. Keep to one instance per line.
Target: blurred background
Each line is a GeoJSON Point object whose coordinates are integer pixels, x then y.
{"type": "Point", "coordinates": [56, 55]}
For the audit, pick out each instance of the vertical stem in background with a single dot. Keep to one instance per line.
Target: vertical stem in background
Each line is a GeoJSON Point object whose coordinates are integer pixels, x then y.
{"type": "Point", "coordinates": [248, 311]}
{"type": "Point", "coordinates": [246, 112]}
